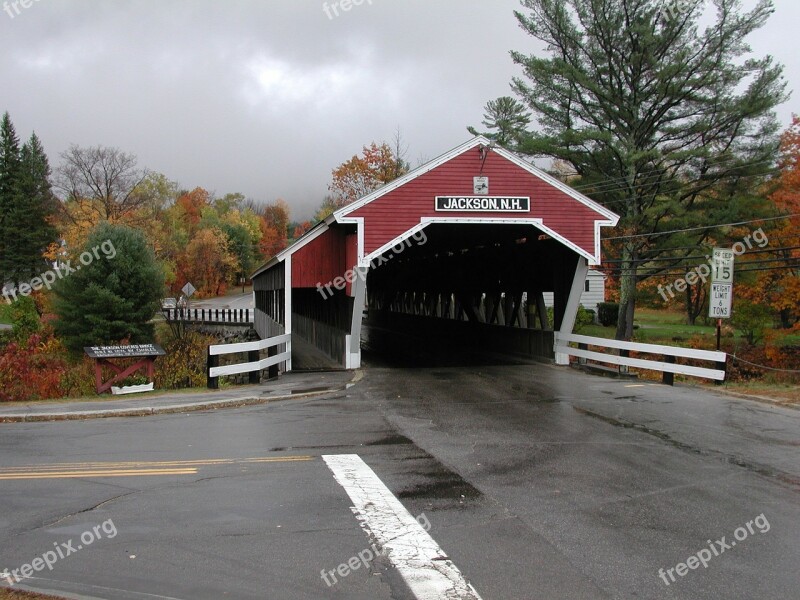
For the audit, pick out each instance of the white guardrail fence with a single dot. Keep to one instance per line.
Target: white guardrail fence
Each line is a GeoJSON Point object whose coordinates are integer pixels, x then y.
{"type": "Point", "coordinates": [255, 364]}
{"type": "Point", "coordinates": [668, 353]}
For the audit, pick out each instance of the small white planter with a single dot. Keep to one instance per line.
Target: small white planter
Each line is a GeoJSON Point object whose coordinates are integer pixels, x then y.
{"type": "Point", "coordinates": [132, 389]}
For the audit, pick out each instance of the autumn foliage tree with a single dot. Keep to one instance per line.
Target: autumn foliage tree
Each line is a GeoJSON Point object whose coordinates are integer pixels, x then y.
{"type": "Point", "coordinates": [274, 228]}
{"type": "Point", "coordinates": [779, 286]}
{"type": "Point", "coordinates": [191, 205]}
{"type": "Point", "coordinates": [365, 173]}
{"type": "Point", "coordinates": [300, 229]}
{"type": "Point", "coordinates": [209, 262]}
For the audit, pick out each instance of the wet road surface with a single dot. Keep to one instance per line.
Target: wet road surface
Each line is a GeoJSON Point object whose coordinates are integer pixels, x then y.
{"type": "Point", "coordinates": [536, 481]}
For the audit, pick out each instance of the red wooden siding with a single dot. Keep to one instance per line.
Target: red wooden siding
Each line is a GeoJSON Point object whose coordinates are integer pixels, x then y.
{"type": "Point", "coordinates": [320, 261]}
{"type": "Point", "coordinates": [324, 259]}
{"type": "Point", "coordinates": [398, 211]}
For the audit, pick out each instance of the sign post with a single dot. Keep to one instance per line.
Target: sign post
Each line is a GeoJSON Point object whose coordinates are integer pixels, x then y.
{"type": "Point", "coordinates": [721, 298]}
{"type": "Point", "coordinates": [719, 306]}
{"type": "Point", "coordinates": [188, 290]}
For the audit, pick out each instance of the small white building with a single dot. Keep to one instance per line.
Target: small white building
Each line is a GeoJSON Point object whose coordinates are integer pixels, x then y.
{"type": "Point", "coordinates": [594, 291]}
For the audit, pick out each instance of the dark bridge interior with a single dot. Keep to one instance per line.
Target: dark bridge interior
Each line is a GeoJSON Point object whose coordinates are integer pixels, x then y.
{"type": "Point", "coordinates": [467, 292]}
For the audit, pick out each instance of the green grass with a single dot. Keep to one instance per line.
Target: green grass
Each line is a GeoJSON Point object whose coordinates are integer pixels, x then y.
{"type": "Point", "coordinates": [659, 327]}
{"type": "Point", "coordinates": [5, 313]}
{"type": "Point", "coordinates": [668, 328]}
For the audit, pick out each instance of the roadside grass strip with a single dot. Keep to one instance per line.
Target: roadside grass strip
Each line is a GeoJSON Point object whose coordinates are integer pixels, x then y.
{"type": "Point", "coordinates": [424, 566]}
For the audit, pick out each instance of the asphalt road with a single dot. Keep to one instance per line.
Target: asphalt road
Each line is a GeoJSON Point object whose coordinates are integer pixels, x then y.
{"type": "Point", "coordinates": [234, 301]}
{"type": "Point", "coordinates": [537, 482]}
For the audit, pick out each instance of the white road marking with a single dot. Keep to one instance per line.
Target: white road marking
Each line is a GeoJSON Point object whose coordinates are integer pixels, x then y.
{"type": "Point", "coordinates": [424, 566]}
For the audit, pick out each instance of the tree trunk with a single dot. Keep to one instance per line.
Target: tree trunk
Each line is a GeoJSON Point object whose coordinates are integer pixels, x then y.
{"type": "Point", "coordinates": [627, 293]}
{"type": "Point", "coordinates": [695, 298]}
{"type": "Point", "coordinates": [785, 315]}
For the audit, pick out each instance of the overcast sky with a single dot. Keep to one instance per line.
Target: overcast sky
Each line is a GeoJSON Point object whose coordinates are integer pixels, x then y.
{"type": "Point", "coordinates": [266, 97]}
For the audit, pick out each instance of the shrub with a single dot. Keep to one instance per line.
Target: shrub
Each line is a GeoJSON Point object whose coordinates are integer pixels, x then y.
{"type": "Point", "coordinates": [751, 319]}
{"type": "Point", "coordinates": [32, 370]}
{"type": "Point", "coordinates": [78, 380]}
{"type": "Point", "coordinates": [184, 365]}
{"type": "Point", "coordinates": [24, 318]}
{"type": "Point", "coordinates": [584, 317]}
{"type": "Point", "coordinates": [608, 313]}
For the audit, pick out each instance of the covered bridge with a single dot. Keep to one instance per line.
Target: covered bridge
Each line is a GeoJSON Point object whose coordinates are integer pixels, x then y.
{"type": "Point", "coordinates": [462, 248]}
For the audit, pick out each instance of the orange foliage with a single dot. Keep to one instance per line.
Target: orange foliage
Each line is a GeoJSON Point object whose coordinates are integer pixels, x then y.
{"type": "Point", "coordinates": [363, 174]}
{"type": "Point", "coordinates": [192, 205]}
{"type": "Point", "coordinates": [209, 263]}
{"type": "Point", "coordinates": [274, 226]}
{"type": "Point", "coordinates": [301, 229]}
{"type": "Point", "coordinates": [39, 370]}
{"type": "Point", "coordinates": [779, 288]}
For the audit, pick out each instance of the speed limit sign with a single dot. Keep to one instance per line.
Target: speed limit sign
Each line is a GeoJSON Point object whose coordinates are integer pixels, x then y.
{"type": "Point", "coordinates": [721, 299]}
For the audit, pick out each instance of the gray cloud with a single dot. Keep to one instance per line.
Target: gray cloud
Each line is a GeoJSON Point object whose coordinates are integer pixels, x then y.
{"type": "Point", "coordinates": [266, 97]}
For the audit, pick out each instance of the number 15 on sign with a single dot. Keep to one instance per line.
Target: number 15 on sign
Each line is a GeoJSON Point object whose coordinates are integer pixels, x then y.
{"type": "Point", "coordinates": [723, 266]}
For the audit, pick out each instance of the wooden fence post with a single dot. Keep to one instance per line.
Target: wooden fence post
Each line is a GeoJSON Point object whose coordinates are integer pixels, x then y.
{"type": "Point", "coordinates": [272, 373]}
{"type": "Point", "coordinates": [722, 366]}
{"type": "Point", "coordinates": [213, 361]}
{"type": "Point", "coordinates": [623, 369]}
{"type": "Point", "coordinates": [667, 377]}
{"type": "Point", "coordinates": [254, 356]}
{"type": "Point", "coordinates": [582, 361]}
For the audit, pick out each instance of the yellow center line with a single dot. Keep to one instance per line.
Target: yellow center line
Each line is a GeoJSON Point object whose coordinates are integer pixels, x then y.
{"type": "Point", "coordinates": [79, 474]}
{"type": "Point", "coordinates": [120, 469]}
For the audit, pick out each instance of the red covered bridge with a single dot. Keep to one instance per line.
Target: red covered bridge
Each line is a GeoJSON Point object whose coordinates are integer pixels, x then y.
{"type": "Point", "coordinates": [460, 249]}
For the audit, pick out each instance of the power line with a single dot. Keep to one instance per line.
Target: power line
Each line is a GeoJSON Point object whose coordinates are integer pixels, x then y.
{"type": "Point", "coordinates": [660, 233]}
{"type": "Point", "coordinates": [680, 258]}
{"type": "Point", "coordinates": [614, 184]}
{"type": "Point", "coordinates": [671, 273]}
{"type": "Point", "coordinates": [795, 238]}
{"type": "Point", "coordinates": [655, 172]}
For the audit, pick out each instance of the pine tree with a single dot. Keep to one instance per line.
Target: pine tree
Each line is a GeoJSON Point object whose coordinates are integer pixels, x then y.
{"type": "Point", "coordinates": [653, 112]}
{"type": "Point", "coordinates": [9, 174]}
{"type": "Point", "coordinates": [113, 296]}
{"type": "Point", "coordinates": [33, 211]}
{"type": "Point", "coordinates": [507, 119]}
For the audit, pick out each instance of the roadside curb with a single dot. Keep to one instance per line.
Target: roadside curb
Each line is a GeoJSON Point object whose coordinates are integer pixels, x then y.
{"type": "Point", "coordinates": [146, 411]}
{"type": "Point", "coordinates": [761, 399]}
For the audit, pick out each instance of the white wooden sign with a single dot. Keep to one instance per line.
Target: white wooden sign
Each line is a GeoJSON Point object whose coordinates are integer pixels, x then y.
{"type": "Point", "coordinates": [719, 304]}
{"type": "Point", "coordinates": [721, 299]}
{"type": "Point", "coordinates": [723, 266]}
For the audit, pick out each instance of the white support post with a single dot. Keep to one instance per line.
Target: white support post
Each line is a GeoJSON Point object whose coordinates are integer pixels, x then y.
{"type": "Point", "coordinates": [287, 307]}
{"type": "Point", "coordinates": [354, 339]}
{"type": "Point", "coordinates": [571, 310]}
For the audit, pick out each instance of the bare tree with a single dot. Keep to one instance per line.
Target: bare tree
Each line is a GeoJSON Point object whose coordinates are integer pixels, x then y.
{"type": "Point", "coordinates": [400, 151]}
{"type": "Point", "coordinates": [102, 177]}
